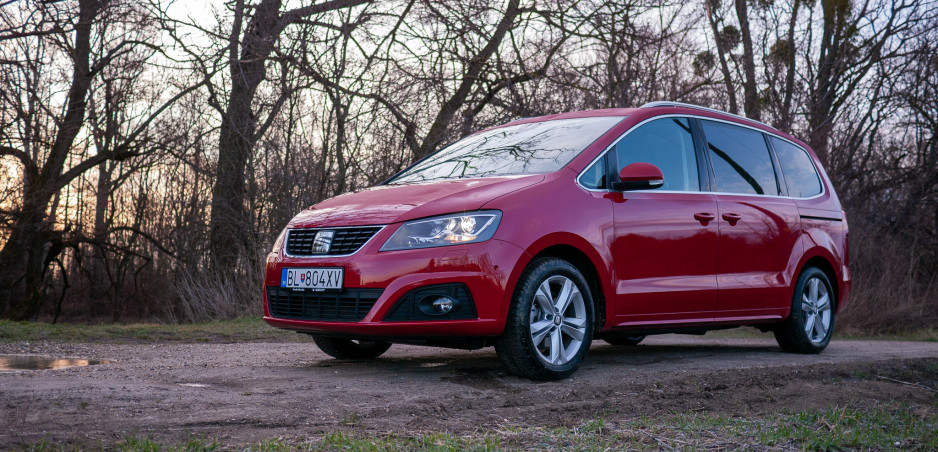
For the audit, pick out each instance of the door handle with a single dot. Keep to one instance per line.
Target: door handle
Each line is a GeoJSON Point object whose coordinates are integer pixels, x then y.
{"type": "Point", "coordinates": [732, 218]}
{"type": "Point", "coordinates": [704, 217]}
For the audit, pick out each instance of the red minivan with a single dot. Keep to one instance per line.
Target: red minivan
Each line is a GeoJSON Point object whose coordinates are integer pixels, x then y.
{"type": "Point", "coordinates": [542, 234]}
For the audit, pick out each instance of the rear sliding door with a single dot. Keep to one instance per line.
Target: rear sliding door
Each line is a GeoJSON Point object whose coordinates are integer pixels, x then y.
{"type": "Point", "coordinates": [757, 224]}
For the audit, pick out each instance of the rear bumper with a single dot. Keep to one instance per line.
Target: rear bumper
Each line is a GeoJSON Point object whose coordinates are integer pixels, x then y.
{"type": "Point", "coordinates": [484, 268]}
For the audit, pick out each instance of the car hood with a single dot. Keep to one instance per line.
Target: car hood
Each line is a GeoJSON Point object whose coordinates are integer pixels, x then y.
{"type": "Point", "coordinates": [385, 204]}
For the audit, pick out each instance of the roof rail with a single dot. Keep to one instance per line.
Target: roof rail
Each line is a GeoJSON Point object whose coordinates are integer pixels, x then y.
{"type": "Point", "coordinates": [668, 103]}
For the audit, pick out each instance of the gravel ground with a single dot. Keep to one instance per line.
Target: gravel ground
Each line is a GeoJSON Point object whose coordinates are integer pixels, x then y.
{"type": "Point", "coordinates": [249, 392]}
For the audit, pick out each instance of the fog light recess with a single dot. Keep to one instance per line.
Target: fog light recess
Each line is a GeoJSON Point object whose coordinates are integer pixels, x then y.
{"type": "Point", "coordinates": [436, 302]}
{"type": "Point", "coordinates": [442, 305]}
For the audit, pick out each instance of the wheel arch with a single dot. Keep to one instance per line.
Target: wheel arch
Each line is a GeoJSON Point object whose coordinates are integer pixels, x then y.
{"type": "Point", "coordinates": [825, 264]}
{"type": "Point", "coordinates": [574, 249]}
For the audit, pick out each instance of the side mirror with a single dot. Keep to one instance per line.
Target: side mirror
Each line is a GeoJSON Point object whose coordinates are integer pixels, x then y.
{"type": "Point", "coordinates": [639, 176]}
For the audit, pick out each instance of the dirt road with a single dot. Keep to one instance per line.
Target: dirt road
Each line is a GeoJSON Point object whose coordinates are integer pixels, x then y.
{"type": "Point", "coordinates": [248, 392]}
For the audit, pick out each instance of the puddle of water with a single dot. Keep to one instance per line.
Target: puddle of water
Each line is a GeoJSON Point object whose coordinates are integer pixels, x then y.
{"type": "Point", "coordinates": [193, 385]}
{"type": "Point", "coordinates": [20, 362]}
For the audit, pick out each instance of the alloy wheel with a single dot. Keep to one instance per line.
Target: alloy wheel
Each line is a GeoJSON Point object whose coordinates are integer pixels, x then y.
{"type": "Point", "coordinates": [558, 320]}
{"type": "Point", "coordinates": [816, 310]}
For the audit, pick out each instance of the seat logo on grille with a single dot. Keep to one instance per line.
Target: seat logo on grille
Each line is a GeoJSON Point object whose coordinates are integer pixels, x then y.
{"type": "Point", "coordinates": [323, 242]}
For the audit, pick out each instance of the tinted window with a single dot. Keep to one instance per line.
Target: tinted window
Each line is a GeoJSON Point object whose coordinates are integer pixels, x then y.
{"type": "Point", "coordinates": [668, 144]}
{"type": "Point", "coordinates": [740, 158]}
{"type": "Point", "coordinates": [532, 148]}
{"type": "Point", "coordinates": [800, 174]}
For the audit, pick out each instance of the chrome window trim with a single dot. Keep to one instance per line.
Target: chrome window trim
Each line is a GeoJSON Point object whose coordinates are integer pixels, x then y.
{"type": "Point", "coordinates": [706, 118]}
{"type": "Point", "coordinates": [286, 240]}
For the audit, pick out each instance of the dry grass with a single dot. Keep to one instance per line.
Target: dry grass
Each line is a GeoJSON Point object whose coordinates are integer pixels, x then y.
{"type": "Point", "coordinates": [894, 288]}
{"type": "Point", "coordinates": [206, 296]}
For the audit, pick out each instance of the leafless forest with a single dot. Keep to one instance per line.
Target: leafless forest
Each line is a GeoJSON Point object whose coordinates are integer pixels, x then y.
{"type": "Point", "coordinates": [150, 153]}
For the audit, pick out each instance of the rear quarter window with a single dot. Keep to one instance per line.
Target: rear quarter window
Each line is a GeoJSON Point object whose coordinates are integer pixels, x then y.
{"type": "Point", "coordinates": [798, 168]}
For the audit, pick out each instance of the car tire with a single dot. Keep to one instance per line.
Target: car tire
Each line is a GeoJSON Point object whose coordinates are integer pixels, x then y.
{"type": "Point", "coordinates": [623, 340]}
{"type": "Point", "coordinates": [550, 322]}
{"type": "Point", "coordinates": [351, 349]}
{"type": "Point", "coordinates": [810, 325]}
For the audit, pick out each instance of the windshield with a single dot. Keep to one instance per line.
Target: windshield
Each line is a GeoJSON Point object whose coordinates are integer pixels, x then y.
{"type": "Point", "coordinates": [532, 148]}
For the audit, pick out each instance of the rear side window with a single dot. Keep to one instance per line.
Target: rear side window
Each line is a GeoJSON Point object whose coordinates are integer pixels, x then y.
{"type": "Point", "coordinates": [798, 168]}
{"type": "Point", "coordinates": [740, 158]}
{"type": "Point", "coordinates": [668, 144]}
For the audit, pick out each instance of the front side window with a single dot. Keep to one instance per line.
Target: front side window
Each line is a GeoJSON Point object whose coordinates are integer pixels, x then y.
{"type": "Point", "coordinates": [798, 169]}
{"type": "Point", "coordinates": [532, 148]}
{"type": "Point", "coordinates": [668, 144]}
{"type": "Point", "coordinates": [740, 158]}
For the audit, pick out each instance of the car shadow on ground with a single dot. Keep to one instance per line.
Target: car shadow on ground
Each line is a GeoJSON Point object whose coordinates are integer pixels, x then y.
{"type": "Point", "coordinates": [484, 364]}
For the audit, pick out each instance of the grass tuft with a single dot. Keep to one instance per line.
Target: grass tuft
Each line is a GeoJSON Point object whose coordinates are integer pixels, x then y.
{"type": "Point", "coordinates": [896, 426]}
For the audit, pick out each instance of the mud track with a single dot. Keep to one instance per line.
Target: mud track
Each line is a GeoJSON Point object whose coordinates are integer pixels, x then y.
{"type": "Point", "coordinates": [249, 392]}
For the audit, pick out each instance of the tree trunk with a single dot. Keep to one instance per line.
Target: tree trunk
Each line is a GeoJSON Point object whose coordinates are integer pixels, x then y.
{"type": "Point", "coordinates": [750, 89]}
{"type": "Point", "coordinates": [724, 66]}
{"type": "Point", "coordinates": [232, 229]}
{"type": "Point", "coordinates": [230, 225]}
{"type": "Point", "coordinates": [22, 263]}
{"type": "Point", "coordinates": [785, 116]}
{"type": "Point", "coordinates": [820, 121]}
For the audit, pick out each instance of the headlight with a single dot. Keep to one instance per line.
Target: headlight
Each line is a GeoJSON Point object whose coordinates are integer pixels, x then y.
{"type": "Point", "coordinates": [455, 229]}
{"type": "Point", "coordinates": [279, 242]}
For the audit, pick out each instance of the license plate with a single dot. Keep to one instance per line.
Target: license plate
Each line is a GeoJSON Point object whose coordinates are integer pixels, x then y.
{"type": "Point", "coordinates": [314, 278]}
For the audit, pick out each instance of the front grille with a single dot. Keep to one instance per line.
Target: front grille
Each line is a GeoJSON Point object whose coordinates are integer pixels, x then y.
{"type": "Point", "coordinates": [348, 305]}
{"type": "Point", "coordinates": [344, 241]}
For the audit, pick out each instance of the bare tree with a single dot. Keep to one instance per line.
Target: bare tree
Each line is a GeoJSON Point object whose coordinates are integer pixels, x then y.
{"type": "Point", "coordinates": [45, 141]}
{"type": "Point", "coordinates": [853, 42]}
{"type": "Point", "coordinates": [254, 35]}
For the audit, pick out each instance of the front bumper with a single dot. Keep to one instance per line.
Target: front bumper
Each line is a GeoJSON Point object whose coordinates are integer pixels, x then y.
{"type": "Point", "coordinates": [485, 268]}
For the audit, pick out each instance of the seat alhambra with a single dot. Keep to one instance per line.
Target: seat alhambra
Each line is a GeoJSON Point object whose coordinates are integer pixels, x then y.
{"type": "Point", "coordinates": [540, 235]}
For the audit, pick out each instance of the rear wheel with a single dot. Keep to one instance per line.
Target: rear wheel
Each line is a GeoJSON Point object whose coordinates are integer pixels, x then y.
{"type": "Point", "coordinates": [810, 324]}
{"type": "Point", "coordinates": [351, 349]}
{"type": "Point", "coordinates": [550, 322]}
{"type": "Point", "coordinates": [623, 340]}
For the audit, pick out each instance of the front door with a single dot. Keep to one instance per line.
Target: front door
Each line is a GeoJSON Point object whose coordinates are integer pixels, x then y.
{"type": "Point", "coordinates": [665, 248]}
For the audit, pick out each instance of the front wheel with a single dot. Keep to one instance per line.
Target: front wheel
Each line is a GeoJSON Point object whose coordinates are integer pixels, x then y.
{"type": "Point", "coordinates": [810, 324]}
{"type": "Point", "coordinates": [550, 322]}
{"type": "Point", "coordinates": [351, 349]}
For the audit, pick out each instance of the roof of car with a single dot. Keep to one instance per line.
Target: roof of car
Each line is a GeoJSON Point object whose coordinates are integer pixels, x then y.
{"type": "Point", "coordinates": [655, 107]}
{"type": "Point", "coordinates": [629, 111]}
